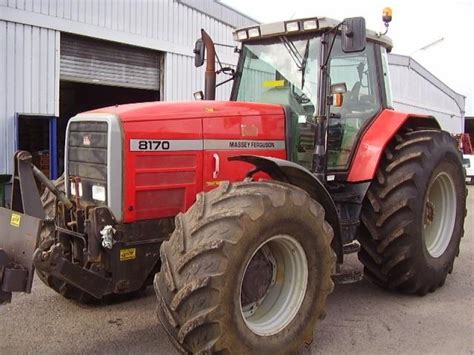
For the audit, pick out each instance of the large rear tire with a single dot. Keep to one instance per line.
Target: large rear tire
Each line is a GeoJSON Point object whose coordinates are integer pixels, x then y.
{"type": "Point", "coordinates": [413, 214]}
{"type": "Point", "coordinates": [247, 270]}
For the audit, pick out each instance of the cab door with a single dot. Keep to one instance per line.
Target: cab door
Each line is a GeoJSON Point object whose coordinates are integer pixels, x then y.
{"type": "Point", "coordinates": [224, 137]}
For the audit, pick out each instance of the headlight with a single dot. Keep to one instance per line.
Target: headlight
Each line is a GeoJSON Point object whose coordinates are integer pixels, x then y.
{"type": "Point", "coordinates": [254, 32]}
{"type": "Point", "coordinates": [292, 26]}
{"type": "Point", "coordinates": [310, 25]}
{"type": "Point", "coordinates": [73, 189]}
{"type": "Point", "coordinates": [98, 193]}
{"type": "Point", "coordinates": [241, 35]}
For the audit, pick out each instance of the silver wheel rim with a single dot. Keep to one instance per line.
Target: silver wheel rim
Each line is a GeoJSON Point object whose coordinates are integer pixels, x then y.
{"type": "Point", "coordinates": [283, 299]}
{"type": "Point", "coordinates": [439, 215]}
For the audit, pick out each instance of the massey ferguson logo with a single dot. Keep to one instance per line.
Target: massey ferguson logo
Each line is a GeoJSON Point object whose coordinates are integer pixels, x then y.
{"type": "Point", "coordinates": [252, 145]}
{"type": "Point", "coordinates": [86, 140]}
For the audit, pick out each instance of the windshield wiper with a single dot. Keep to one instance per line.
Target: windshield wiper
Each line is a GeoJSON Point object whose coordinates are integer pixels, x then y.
{"type": "Point", "coordinates": [293, 51]}
{"type": "Point", "coordinates": [303, 64]}
{"type": "Point", "coordinates": [300, 60]}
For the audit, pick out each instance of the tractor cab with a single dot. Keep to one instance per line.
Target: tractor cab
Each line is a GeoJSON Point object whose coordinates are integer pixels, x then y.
{"type": "Point", "coordinates": [316, 67]}
{"type": "Point", "coordinates": [331, 76]}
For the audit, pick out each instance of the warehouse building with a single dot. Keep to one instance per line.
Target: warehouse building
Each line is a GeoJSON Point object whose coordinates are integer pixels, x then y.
{"type": "Point", "coordinates": [58, 58]}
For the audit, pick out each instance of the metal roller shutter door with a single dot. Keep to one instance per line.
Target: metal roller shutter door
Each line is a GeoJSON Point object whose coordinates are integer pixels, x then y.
{"type": "Point", "coordinates": [93, 61]}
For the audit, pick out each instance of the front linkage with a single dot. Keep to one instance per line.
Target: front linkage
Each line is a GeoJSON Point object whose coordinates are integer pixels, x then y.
{"type": "Point", "coordinates": [80, 251]}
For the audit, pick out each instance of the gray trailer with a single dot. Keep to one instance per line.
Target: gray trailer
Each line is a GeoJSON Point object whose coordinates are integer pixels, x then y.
{"type": "Point", "coordinates": [416, 90]}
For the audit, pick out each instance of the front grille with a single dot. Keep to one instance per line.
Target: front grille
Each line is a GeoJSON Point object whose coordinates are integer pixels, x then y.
{"type": "Point", "coordinates": [87, 155]}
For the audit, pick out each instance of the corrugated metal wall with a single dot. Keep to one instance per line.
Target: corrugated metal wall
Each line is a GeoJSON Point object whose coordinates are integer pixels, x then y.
{"type": "Point", "coordinates": [182, 79]}
{"type": "Point", "coordinates": [221, 12]}
{"type": "Point", "coordinates": [28, 79]}
{"type": "Point", "coordinates": [30, 40]}
{"type": "Point", "coordinates": [164, 25]}
{"type": "Point", "coordinates": [416, 90]}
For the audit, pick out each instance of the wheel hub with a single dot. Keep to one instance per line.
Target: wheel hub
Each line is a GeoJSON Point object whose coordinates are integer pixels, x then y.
{"type": "Point", "coordinates": [257, 280]}
{"type": "Point", "coordinates": [274, 285]}
{"type": "Point", "coordinates": [429, 213]}
{"type": "Point", "coordinates": [439, 214]}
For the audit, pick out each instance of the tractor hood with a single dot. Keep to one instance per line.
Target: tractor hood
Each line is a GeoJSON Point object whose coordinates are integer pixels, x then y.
{"type": "Point", "coordinates": [152, 111]}
{"type": "Point", "coordinates": [148, 161]}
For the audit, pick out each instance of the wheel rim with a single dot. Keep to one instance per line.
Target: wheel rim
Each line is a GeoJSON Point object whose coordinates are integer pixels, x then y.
{"type": "Point", "coordinates": [439, 215]}
{"type": "Point", "coordinates": [284, 295]}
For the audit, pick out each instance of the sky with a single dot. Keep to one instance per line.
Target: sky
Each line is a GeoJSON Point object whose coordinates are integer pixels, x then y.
{"type": "Point", "coordinates": [415, 24]}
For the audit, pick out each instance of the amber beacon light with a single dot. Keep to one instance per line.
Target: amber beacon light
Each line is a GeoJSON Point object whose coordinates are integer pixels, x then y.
{"type": "Point", "coordinates": [387, 15]}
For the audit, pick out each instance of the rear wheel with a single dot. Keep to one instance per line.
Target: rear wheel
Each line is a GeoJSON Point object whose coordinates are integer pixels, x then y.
{"type": "Point", "coordinates": [247, 270]}
{"type": "Point", "coordinates": [413, 214]}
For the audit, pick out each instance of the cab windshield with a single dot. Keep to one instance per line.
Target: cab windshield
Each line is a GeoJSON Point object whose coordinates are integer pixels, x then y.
{"type": "Point", "coordinates": [284, 71]}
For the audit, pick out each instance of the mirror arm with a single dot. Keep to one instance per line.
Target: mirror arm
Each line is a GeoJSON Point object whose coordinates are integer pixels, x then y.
{"type": "Point", "coordinates": [226, 81]}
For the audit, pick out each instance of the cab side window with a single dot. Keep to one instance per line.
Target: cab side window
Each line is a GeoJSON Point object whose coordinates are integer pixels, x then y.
{"type": "Point", "coordinates": [361, 102]}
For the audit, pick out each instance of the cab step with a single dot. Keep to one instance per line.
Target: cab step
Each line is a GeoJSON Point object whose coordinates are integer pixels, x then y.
{"type": "Point", "coordinates": [346, 276]}
{"type": "Point", "coordinates": [351, 248]}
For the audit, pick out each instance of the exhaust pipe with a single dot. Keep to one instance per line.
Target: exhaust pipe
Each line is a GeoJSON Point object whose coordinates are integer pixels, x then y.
{"type": "Point", "coordinates": [210, 75]}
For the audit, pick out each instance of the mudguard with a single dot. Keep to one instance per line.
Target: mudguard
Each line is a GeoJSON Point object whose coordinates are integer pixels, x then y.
{"type": "Point", "coordinates": [292, 173]}
{"type": "Point", "coordinates": [376, 138]}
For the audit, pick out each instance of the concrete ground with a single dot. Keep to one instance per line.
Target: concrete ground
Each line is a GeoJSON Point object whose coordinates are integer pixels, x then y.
{"type": "Point", "coordinates": [361, 319]}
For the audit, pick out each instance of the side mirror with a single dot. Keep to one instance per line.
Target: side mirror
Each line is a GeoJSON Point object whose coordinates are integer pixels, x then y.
{"type": "Point", "coordinates": [354, 37]}
{"type": "Point", "coordinates": [337, 94]}
{"type": "Point", "coordinates": [199, 53]}
{"type": "Point", "coordinates": [339, 88]}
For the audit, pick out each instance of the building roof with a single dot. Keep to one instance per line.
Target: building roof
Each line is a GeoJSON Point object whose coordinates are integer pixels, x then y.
{"type": "Point", "coordinates": [221, 12]}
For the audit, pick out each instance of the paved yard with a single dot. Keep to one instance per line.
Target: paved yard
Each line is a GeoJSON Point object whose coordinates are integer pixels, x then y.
{"type": "Point", "coordinates": [361, 319]}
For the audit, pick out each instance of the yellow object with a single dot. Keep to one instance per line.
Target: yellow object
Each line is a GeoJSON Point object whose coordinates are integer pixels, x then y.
{"type": "Point", "coordinates": [387, 11]}
{"type": "Point", "coordinates": [15, 220]}
{"type": "Point", "coordinates": [273, 83]}
{"type": "Point", "coordinates": [210, 109]}
{"type": "Point", "coordinates": [128, 254]}
{"type": "Point", "coordinates": [213, 183]}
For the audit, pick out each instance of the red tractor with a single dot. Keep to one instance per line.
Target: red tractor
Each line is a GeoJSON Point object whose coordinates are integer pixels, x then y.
{"type": "Point", "coordinates": [244, 209]}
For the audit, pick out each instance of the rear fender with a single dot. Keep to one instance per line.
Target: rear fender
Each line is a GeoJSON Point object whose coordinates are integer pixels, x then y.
{"type": "Point", "coordinates": [294, 174]}
{"type": "Point", "coordinates": [376, 138]}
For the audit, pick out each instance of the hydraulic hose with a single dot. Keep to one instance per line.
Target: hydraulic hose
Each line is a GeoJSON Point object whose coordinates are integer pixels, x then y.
{"type": "Point", "coordinates": [61, 196]}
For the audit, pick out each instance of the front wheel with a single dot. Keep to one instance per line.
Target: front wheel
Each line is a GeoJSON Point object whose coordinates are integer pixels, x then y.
{"type": "Point", "coordinates": [247, 270]}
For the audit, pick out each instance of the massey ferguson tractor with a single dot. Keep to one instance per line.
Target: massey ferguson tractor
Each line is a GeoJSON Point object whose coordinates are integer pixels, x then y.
{"type": "Point", "coordinates": [240, 212]}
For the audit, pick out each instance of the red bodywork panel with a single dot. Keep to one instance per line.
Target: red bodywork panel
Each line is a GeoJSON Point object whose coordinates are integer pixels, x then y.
{"type": "Point", "coordinates": [195, 139]}
{"type": "Point", "coordinates": [373, 142]}
{"type": "Point", "coordinates": [187, 144]}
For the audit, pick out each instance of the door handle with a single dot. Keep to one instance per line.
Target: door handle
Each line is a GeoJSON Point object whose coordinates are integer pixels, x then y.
{"type": "Point", "coordinates": [217, 163]}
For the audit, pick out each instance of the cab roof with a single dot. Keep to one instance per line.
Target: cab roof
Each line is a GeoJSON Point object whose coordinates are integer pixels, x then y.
{"type": "Point", "coordinates": [304, 25]}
